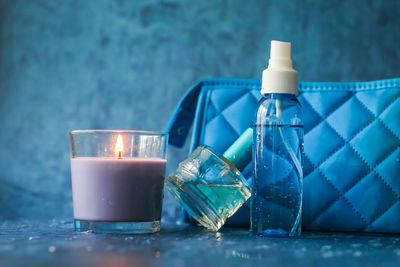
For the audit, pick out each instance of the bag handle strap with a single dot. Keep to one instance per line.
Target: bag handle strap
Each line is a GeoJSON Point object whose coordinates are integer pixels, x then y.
{"type": "Point", "coordinates": [179, 125]}
{"type": "Point", "coordinates": [182, 119]}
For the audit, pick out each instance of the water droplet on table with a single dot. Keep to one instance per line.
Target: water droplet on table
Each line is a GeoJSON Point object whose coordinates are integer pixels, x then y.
{"type": "Point", "coordinates": [52, 249]}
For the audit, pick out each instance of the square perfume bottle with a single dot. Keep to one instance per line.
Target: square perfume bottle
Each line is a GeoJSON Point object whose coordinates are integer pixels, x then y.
{"type": "Point", "coordinates": [210, 187]}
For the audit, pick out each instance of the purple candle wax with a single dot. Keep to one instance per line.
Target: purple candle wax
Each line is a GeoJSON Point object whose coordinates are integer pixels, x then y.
{"type": "Point", "coordinates": [117, 189]}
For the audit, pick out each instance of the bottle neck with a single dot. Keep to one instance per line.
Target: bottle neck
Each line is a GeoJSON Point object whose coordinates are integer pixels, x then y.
{"type": "Point", "coordinates": [282, 109]}
{"type": "Point", "coordinates": [280, 96]}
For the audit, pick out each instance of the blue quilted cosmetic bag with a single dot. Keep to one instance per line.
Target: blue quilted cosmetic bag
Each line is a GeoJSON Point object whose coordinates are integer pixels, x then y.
{"type": "Point", "coordinates": [351, 146]}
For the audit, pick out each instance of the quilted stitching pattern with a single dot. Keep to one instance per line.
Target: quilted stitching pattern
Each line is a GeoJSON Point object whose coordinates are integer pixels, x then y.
{"type": "Point", "coordinates": [352, 147]}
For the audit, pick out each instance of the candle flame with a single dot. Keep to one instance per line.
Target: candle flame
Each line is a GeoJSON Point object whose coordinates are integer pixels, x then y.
{"type": "Point", "coordinates": [119, 147]}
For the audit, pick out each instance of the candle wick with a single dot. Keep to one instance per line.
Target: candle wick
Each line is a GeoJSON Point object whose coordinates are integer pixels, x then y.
{"type": "Point", "coordinates": [119, 154]}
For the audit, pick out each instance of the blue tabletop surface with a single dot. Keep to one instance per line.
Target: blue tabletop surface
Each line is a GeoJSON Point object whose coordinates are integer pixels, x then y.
{"type": "Point", "coordinates": [54, 242]}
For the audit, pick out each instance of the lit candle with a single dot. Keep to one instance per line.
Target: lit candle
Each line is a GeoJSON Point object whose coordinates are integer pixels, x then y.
{"type": "Point", "coordinates": [117, 189]}
{"type": "Point", "coordinates": [119, 146]}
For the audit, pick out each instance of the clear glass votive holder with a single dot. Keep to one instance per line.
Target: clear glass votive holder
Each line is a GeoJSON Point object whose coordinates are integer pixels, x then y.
{"type": "Point", "coordinates": [118, 180]}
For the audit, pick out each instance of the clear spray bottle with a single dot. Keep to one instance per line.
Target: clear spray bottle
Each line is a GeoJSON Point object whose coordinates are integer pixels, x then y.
{"type": "Point", "coordinates": [277, 191]}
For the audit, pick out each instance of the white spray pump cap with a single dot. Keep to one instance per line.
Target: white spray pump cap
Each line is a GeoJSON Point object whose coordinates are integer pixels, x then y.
{"type": "Point", "coordinates": [279, 77]}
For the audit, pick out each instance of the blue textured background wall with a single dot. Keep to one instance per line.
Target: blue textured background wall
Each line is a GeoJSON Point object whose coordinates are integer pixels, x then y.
{"type": "Point", "coordinates": [110, 64]}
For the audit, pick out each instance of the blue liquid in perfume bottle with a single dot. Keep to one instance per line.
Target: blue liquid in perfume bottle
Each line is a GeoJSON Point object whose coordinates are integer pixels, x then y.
{"type": "Point", "coordinates": [277, 182]}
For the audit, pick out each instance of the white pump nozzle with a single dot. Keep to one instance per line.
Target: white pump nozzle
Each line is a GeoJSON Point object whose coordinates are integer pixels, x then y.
{"type": "Point", "coordinates": [280, 77]}
{"type": "Point", "coordinates": [280, 49]}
